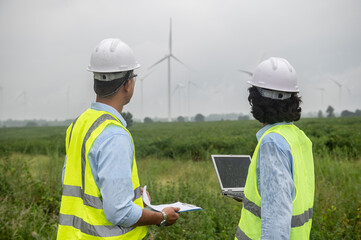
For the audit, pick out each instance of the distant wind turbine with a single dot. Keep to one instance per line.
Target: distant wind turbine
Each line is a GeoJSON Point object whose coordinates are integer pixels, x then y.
{"type": "Point", "coordinates": [1, 103]}
{"type": "Point", "coordinates": [322, 90]}
{"type": "Point", "coordinates": [250, 74]}
{"type": "Point", "coordinates": [179, 88]}
{"type": "Point", "coordinates": [67, 101]}
{"type": "Point", "coordinates": [339, 90]}
{"type": "Point", "coordinates": [190, 83]}
{"type": "Point", "coordinates": [141, 91]}
{"type": "Point", "coordinates": [168, 57]}
{"type": "Point", "coordinates": [23, 95]}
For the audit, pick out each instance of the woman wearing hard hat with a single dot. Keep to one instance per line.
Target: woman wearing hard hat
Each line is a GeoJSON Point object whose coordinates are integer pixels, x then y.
{"type": "Point", "coordinates": [279, 191]}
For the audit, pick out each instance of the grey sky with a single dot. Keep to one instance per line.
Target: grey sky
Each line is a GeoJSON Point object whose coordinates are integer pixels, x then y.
{"type": "Point", "coordinates": [45, 48]}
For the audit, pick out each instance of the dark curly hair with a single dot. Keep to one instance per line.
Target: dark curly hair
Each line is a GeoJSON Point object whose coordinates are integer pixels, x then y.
{"type": "Point", "coordinates": [267, 110]}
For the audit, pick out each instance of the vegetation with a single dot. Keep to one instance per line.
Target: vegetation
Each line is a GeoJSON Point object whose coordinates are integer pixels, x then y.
{"type": "Point", "coordinates": [128, 117]}
{"type": "Point", "coordinates": [174, 162]}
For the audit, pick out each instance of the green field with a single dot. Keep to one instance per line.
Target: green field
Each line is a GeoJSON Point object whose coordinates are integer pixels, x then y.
{"type": "Point", "coordinates": [174, 162]}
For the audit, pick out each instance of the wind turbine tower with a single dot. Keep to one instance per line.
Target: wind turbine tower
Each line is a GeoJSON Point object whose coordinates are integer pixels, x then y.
{"type": "Point", "coordinates": [168, 57]}
{"type": "Point", "coordinates": [179, 88]}
{"type": "Point", "coordinates": [190, 83]}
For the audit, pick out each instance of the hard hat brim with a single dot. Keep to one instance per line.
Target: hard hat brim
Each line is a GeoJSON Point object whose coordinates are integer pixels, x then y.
{"type": "Point", "coordinates": [112, 71]}
{"type": "Point", "coordinates": [276, 89]}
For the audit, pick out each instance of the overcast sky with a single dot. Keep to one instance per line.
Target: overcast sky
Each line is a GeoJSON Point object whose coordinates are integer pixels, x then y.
{"type": "Point", "coordinates": [45, 48]}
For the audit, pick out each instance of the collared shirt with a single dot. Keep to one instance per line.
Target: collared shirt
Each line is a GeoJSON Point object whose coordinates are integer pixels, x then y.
{"type": "Point", "coordinates": [275, 183]}
{"type": "Point", "coordinates": [110, 159]}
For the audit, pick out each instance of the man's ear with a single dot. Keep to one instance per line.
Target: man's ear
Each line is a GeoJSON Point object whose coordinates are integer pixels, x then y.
{"type": "Point", "coordinates": [127, 86]}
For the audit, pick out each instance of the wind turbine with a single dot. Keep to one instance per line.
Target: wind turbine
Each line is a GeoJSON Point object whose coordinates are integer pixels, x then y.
{"type": "Point", "coordinates": [67, 101]}
{"type": "Point", "coordinates": [339, 90]}
{"type": "Point", "coordinates": [322, 95]}
{"type": "Point", "coordinates": [179, 87]}
{"type": "Point", "coordinates": [250, 74]}
{"type": "Point", "coordinates": [24, 102]}
{"type": "Point", "coordinates": [1, 102]}
{"type": "Point", "coordinates": [141, 91]}
{"type": "Point", "coordinates": [168, 57]}
{"type": "Point", "coordinates": [190, 83]}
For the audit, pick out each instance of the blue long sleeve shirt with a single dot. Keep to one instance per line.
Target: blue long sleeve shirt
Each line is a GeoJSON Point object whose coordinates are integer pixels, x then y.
{"type": "Point", "coordinates": [275, 183]}
{"type": "Point", "coordinates": [110, 159]}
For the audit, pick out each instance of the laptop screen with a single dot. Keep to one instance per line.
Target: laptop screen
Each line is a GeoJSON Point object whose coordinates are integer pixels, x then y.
{"type": "Point", "coordinates": [232, 169]}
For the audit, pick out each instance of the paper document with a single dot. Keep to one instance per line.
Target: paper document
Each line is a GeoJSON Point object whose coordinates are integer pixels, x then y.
{"type": "Point", "coordinates": [184, 207]}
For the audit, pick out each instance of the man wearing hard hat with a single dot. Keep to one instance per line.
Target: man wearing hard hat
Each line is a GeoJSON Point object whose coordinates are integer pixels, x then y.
{"type": "Point", "coordinates": [280, 185]}
{"type": "Point", "coordinates": [101, 196]}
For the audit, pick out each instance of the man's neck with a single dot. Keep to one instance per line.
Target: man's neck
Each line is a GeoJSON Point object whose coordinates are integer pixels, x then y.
{"type": "Point", "coordinates": [117, 105]}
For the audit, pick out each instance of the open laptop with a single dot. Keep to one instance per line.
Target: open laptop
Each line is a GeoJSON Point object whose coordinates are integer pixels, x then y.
{"type": "Point", "coordinates": [232, 173]}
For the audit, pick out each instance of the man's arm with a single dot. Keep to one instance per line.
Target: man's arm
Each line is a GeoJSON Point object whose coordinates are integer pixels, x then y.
{"type": "Point", "coordinates": [114, 155]}
{"type": "Point", "coordinates": [276, 186]}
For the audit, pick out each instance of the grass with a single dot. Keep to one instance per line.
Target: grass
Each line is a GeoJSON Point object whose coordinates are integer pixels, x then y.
{"type": "Point", "coordinates": [180, 170]}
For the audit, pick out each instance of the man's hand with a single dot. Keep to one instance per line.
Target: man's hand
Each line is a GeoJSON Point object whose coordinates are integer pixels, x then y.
{"type": "Point", "coordinates": [172, 215]}
{"type": "Point", "coordinates": [141, 191]}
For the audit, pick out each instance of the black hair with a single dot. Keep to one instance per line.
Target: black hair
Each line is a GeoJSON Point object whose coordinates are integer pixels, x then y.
{"type": "Point", "coordinates": [267, 110]}
{"type": "Point", "coordinates": [108, 88]}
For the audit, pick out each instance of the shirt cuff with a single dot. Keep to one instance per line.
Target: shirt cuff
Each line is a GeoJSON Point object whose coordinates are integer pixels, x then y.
{"type": "Point", "coordinates": [132, 217]}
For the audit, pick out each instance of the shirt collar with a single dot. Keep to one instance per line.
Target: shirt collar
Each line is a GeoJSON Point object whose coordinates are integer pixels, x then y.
{"type": "Point", "coordinates": [260, 133]}
{"type": "Point", "coordinates": [104, 107]}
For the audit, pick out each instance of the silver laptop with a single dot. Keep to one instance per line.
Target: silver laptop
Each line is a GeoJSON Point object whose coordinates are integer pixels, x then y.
{"type": "Point", "coordinates": [232, 173]}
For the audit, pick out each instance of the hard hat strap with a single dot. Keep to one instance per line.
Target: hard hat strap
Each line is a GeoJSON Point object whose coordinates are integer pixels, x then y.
{"type": "Point", "coordinates": [267, 93]}
{"type": "Point", "coordinates": [106, 77]}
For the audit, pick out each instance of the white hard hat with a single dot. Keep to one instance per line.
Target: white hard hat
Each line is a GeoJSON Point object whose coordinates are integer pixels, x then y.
{"type": "Point", "coordinates": [275, 74]}
{"type": "Point", "coordinates": [112, 55]}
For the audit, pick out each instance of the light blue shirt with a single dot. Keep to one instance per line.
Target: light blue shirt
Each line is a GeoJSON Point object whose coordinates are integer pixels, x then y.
{"type": "Point", "coordinates": [275, 183]}
{"type": "Point", "coordinates": [110, 159]}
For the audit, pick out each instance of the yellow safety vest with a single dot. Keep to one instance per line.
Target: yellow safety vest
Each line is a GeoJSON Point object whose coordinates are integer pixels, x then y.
{"type": "Point", "coordinates": [304, 180]}
{"type": "Point", "coordinates": [81, 211]}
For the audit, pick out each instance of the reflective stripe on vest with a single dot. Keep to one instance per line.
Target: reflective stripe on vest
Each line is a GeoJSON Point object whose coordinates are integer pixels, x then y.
{"type": "Point", "coordinates": [106, 229]}
{"type": "Point", "coordinates": [240, 235]}
{"type": "Point", "coordinates": [297, 220]}
{"type": "Point", "coordinates": [94, 230]}
{"type": "Point", "coordinates": [91, 201]}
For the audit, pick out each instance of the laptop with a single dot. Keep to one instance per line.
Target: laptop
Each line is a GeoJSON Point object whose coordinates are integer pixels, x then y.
{"type": "Point", "coordinates": [232, 173]}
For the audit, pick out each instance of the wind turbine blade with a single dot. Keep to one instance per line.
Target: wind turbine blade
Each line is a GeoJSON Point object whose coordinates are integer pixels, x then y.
{"type": "Point", "coordinates": [146, 75]}
{"type": "Point", "coordinates": [170, 37]}
{"type": "Point", "coordinates": [158, 62]}
{"type": "Point", "coordinates": [179, 61]}
{"type": "Point", "coordinates": [192, 83]}
{"type": "Point", "coordinates": [246, 72]}
{"type": "Point", "coordinates": [179, 86]}
{"type": "Point", "coordinates": [175, 89]}
{"type": "Point", "coordinates": [22, 93]}
{"type": "Point", "coordinates": [348, 89]}
{"type": "Point", "coordinates": [338, 84]}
